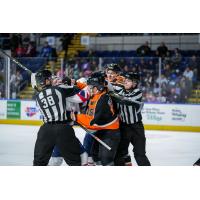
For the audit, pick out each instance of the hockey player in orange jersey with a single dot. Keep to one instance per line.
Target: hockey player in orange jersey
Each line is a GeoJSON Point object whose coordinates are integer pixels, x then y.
{"type": "Point", "coordinates": [101, 117]}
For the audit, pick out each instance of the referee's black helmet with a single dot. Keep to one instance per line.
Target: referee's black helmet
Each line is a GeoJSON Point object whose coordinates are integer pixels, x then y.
{"type": "Point", "coordinates": [42, 76]}
{"type": "Point", "coordinates": [132, 76]}
{"type": "Point", "coordinates": [113, 67]}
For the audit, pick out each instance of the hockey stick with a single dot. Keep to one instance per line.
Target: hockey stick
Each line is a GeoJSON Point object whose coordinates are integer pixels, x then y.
{"type": "Point", "coordinates": [17, 62]}
{"type": "Point", "coordinates": [95, 137]}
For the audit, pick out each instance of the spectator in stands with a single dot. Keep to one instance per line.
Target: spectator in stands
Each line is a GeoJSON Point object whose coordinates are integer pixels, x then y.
{"type": "Point", "coordinates": [19, 79]}
{"type": "Point", "coordinates": [1, 64]}
{"type": "Point", "coordinates": [69, 70]}
{"type": "Point", "coordinates": [60, 73]}
{"type": "Point", "coordinates": [122, 63]}
{"type": "Point", "coordinates": [188, 73]}
{"type": "Point", "coordinates": [91, 54]}
{"type": "Point", "coordinates": [151, 66]}
{"type": "Point", "coordinates": [167, 59]}
{"type": "Point", "coordinates": [19, 51]}
{"type": "Point", "coordinates": [162, 80]}
{"type": "Point", "coordinates": [46, 50]}
{"type": "Point", "coordinates": [178, 89]}
{"type": "Point", "coordinates": [126, 68]}
{"type": "Point", "coordinates": [93, 65]}
{"type": "Point", "coordinates": [15, 81]}
{"type": "Point", "coordinates": [142, 64]}
{"type": "Point", "coordinates": [194, 63]}
{"type": "Point", "coordinates": [66, 41]}
{"type": "Point", "coordinates": [13, 86]}
{"type": "Point", "coordinates": [53, 59]}
{"type": "Point", "coordinates": [172, 80]}
{"type": "Point", "coordinates": [156, 89]}
{"type": "Point", "coordinates": [144, 50]}
{"type": "Point", "coordinates": [26, 40]}
{"type": "Point", "coordinates": [30, 51]}
{"type": "Point", "coordinates": [15, 40]}
{"type": "Point", "coordinates": [86, 69]}
{"type": "Point", "coordinates": [173, 97]}
{"type": "Point", "coordinates": [164, 89]}
{"type": "Point", "coordinates": [150, 97]}
{"type": "Point", "coordinates": [163, 97]}
{"type": "Point", "coordinates": [176, 57]}
{"type": "Point", "coordinates": [148, 80]}
{"type": "Point", "coordinates": [162, 50]}
{"type": "Point", "coordinates": [1, 86]}
{"type": "Point", "coordinates": [87, 73]}
{"type": "Point", "coordinates": [134, 69]}
{"type": "Point", "coordinates": [185, 89]}
{"type": "Point", "coordinates": [167, 70]}
{"type": "Point", "coordinates": [76, 70]}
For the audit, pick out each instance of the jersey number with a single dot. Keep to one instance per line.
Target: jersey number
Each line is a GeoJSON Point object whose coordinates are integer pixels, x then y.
{"type": "Point", "coordinates": [49, 101]}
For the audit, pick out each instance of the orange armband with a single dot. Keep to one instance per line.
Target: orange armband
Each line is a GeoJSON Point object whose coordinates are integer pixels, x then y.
{"type": "Point", "coordinates": [120, 80]}
{"type": "Point", "coordinates": [81, 85]}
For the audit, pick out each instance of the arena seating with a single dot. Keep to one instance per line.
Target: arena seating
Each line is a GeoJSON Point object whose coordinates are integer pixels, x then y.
{"type": "Point", "coordinates": [188, 53]}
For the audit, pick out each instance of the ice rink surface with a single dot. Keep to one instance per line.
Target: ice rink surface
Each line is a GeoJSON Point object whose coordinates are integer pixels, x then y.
{"type": "Point", "coordinates": [164, 148]}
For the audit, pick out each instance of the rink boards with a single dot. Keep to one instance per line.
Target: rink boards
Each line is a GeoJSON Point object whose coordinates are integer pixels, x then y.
{"type": "Point", "coordinates": [175, 117]}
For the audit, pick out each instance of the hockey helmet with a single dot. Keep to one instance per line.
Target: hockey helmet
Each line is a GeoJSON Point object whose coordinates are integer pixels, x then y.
{"type": "Point", "coordinates": [66, 81]}
{"type": "Point", "coordinates": [42, 76]}
{"type": "Point", "coordinates": [113, 67]}
{"type": "Point", "coordinates": [132, 76]}
{"type": "Point", "coordinates": [97, 79]}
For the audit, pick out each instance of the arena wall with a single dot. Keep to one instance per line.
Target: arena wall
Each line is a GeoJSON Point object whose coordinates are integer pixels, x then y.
{"type": "Point", "coordinates": [175, 117]}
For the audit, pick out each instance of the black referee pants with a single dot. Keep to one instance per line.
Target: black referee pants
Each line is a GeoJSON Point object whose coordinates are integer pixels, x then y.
{"type": "Point", "coordinates": [197, 162]}
{"type": "Point", "coordinates": [61, 135]}
{"type": "Point", "coordinates": [134, 134]}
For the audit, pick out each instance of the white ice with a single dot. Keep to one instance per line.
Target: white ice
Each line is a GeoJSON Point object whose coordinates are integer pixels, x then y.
{"type": "Point", "coordinates": [164, 148]}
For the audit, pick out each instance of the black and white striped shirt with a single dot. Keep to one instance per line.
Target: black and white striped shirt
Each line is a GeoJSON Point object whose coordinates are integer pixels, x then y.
{"type": "Point", "coordinates": [114, 87]}
{"type": "Point", "coordinates": [130, 106]}
{"type": "Point", "coordinates": [52, 102]}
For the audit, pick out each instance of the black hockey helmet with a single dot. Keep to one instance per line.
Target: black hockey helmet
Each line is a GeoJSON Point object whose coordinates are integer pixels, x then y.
{"type": "Point", "coordinates": [114, 67]}
{"type": "Point", "coordinates": [97, 79]}
{"type": "Point", "coordinates": [42, 76]}
{"type": "Point", "coordinates": [98, 74]}
{"type": "Point", "coordinates": [132, 76]}
{"type": "Point", "coordinates": [66, 81]}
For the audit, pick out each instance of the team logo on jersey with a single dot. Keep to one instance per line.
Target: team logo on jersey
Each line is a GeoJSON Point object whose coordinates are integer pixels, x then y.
{"type": "Point", "coordinates": [31, 111]}
{"type": "Point", "coordinates": [90, 112]}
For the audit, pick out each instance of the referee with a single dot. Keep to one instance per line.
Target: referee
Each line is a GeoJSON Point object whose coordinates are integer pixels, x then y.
{"type": "Point", "coordinates": [55, 131]}
{"type": "Point", "coordinates": [129, 103]}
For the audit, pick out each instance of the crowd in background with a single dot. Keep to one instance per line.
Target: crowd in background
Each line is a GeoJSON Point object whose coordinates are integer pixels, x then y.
{"type": "Point", "coordinates": [174, 86]}
{"type": "Point", "coordinates": [25, 48]}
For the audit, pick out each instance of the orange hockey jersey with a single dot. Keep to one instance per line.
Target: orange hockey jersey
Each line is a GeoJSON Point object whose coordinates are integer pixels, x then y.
{"type": "Point", "coordinates": [100, 114]}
